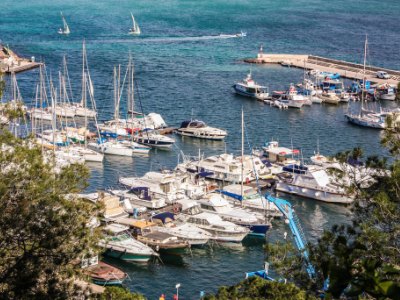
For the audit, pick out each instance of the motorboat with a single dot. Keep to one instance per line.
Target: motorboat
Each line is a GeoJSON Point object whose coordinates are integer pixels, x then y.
{"type": "Point", "coordinates": [89, 155]}
{"type": "Point", "coordinates": [227, 167]}
{"type": "Point", "coordinates": [163, 242]}
{"type": "Point", "coordinates": [385, 92]}
{"type": "Point", "coordinates": [142, 196]}
{"type": "Point", "coordinates": [65, 30]}
{"type": "Point", "coordinates": [247, 87]}
{"type": "Point", "coordinates": [249, 198]}
{"type": "Point", "coordinates": [168, 223]}
{"type": "Point", "coordinates": [222, 231]}
{"type": "Point", "coordinates": [113, 128]}
{"type": "Point", "coordinates": [174, 185]}
{"type": "Point", "coordinates": [314, 183]}
{"type": "Point", "coordinates": [290, 98]}
{"type": "Point", "coordinates": [199, 129]}
{"type": "Point", "coordinates": [118, 243]}
{"type": "Point", "coordinates": [102, 273]}
{"type": "Point", "coordinates": [136, 147]}
{"type": "Point", "coordinates": [153, 139]}
{"type": "Point", "coordinates": [111, 147]}
{"type": "Point", "coordinates": [279, 156]}
{"type": "Point", "coordinates": [214, 203]}
{"type": "Point", "coordinates": [165, 185]}
{"type": "Point", "coordinates": [330, 98]}
{"type": "Point", "coordinates": [135, 29]}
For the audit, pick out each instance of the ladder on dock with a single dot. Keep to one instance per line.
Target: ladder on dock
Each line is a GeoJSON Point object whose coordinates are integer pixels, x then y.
{"type": "Point", "coordinates": [298, 234]}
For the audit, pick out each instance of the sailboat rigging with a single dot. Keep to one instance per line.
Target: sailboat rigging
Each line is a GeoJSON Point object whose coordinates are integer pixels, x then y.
{"type": "Point", "coordinates": [135, 30]}
{"type": "Point", "coordinates": [65, 30]}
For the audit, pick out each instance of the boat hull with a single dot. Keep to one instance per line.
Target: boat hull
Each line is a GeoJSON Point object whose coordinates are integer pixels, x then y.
{"type": "Point", "coordinates": [129, 257]}
{"type": "Point", "coordinates": [319, 195]}
{"type": "Point", "coordinates": [357, 121]}
{"type": "Point", "coordinates": [206, 137]}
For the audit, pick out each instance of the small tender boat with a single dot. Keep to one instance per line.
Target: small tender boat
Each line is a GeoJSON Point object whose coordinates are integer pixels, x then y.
{"type": "Point", "coordinates": [120, 244]}
{"type": "Point", "coordinates": [251, 89]}
{"type": "Point", "coordinates": [385, 92]}
{"type": "Point", "coordinates": [198, 129]}
{"type": "Point", "coordinates": [65, 30]}
{"type": "Point", "coordinates": [135, 30]}
{"type": "Point", "coordinates": [102, 273]}
{"type": "Point", "coordinates": [136, 147]}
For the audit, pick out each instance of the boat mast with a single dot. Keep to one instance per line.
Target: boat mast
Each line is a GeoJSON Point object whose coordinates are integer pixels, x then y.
{"type": "Point", "coordinates": [364, 79]}
{"type": "Point", "coordinates": [242, 170]}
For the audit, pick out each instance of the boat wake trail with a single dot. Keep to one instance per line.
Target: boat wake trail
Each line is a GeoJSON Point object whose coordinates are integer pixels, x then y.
{"type": "Point", "coordinates": [172, 39]}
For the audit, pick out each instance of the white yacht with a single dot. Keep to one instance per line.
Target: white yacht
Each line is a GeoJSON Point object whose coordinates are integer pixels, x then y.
{"type": "Point", "coordinates": [120, 244]}
{"type": "Point", "coordinates": [385, 92]}
{"type": "Point", "coordinates": [227, 167]}
{"type": "Point", "coordinates": [40, 113]}
{"type": "Point", "coordinates": [142, 196]}
{"type": "Point", "coordinates": [111, 147]}
{"type": "Point", "coordinates": [194, 235]}
{"type": "Point", "coordinates": [89, 155]}
{"type": "Point", "coordinates": [250, 200]}
{"type": "Point", "coordinates": [315, 183]}
{"type": "Point", "coordinates": [222, 231]}
{"type": "Point", "coordinates": [113, 128]}
{"type": "Point", "coordinates": [163, 184]}
{"type": "Point", "coordinates": [136, 147]}
{"type": "Point", "coordinates": [153, 139]}
{"type": "Point", "coordinates": [199, 129]}
{"type": "Point", "coordinates": [249, 88]}
{"type": "Point", "coordinates": [214, 203]}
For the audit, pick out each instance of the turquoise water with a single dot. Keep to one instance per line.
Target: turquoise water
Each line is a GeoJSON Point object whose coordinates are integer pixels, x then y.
{"type": "Point", "coordinates": [180, 69]}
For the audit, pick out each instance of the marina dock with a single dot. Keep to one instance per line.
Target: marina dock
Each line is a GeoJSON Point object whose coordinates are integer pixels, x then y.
{"type": "Point", "coordinates": [12, 63]}
{"type": "Point", "coordinates": [311, 62]}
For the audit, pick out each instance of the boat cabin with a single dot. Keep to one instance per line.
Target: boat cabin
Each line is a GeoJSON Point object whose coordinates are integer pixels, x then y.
{"type": "Point", "coordinates": [193, 124]}
{"type": "Point", "coordinates": [280, 155]}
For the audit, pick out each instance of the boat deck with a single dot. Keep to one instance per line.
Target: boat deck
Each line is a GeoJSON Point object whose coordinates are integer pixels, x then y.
{"type": "Point", "coordinates": [311, 62]}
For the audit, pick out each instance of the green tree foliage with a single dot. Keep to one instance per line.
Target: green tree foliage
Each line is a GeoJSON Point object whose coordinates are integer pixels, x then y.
{"type": "Point", "coordinates": [41, 230]}
{"type": "Point", "coordinates": [120, 293]}
{"type": "Point", "coordinates": [2, 84]}
{"type": "Point", "coordinates": [398, 92]}
{"type": "Point", "coordinates": [256, 288]}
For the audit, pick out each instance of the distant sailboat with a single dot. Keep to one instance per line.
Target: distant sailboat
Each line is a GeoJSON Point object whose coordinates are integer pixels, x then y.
{"type": "Point", "coordinates": [135, 27]}
{"type": "Point", "coordinates": [65, 30]}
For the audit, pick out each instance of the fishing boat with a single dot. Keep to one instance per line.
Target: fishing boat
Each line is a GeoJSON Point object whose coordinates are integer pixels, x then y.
{"type": "Point", "coordinates": [194, 235]}
{"type": "Point", "coordinates": [249, 88]}
{"type": "Point", "coordinates": [215, 204]}
{"type": "Point", "coordinates": [199, 129]}
{"type": "Point", "coordinates": [65, 30]}
{"type": "Point", "coordinates": [120, 244]}
{"type": "Point", "coordinates": [135, 29]}
{"type": "Point", "coordinates": [102, 273]}
{"type": "Point", "coordinates": [222, 231]}
{"type": "Point", "coordinates": [315, 183]}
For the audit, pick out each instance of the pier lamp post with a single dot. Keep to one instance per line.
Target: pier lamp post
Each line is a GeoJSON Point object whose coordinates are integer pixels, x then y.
{"type": "Point", "coordinates": [177, 286]}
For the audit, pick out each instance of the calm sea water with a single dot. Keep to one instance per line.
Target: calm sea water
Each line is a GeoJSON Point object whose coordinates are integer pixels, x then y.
{"type": "Point", "coordinates": [182, 70]}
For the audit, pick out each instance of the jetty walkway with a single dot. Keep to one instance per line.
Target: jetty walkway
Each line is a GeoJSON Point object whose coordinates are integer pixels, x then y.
{"type": "Point", "coordinates": [12, 63]}
{"type": "Point", "coordinates": [312, 62]}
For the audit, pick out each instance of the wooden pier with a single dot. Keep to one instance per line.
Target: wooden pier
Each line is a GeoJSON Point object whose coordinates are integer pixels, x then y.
{"type": "Point", "coordinates": [312, 62]}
